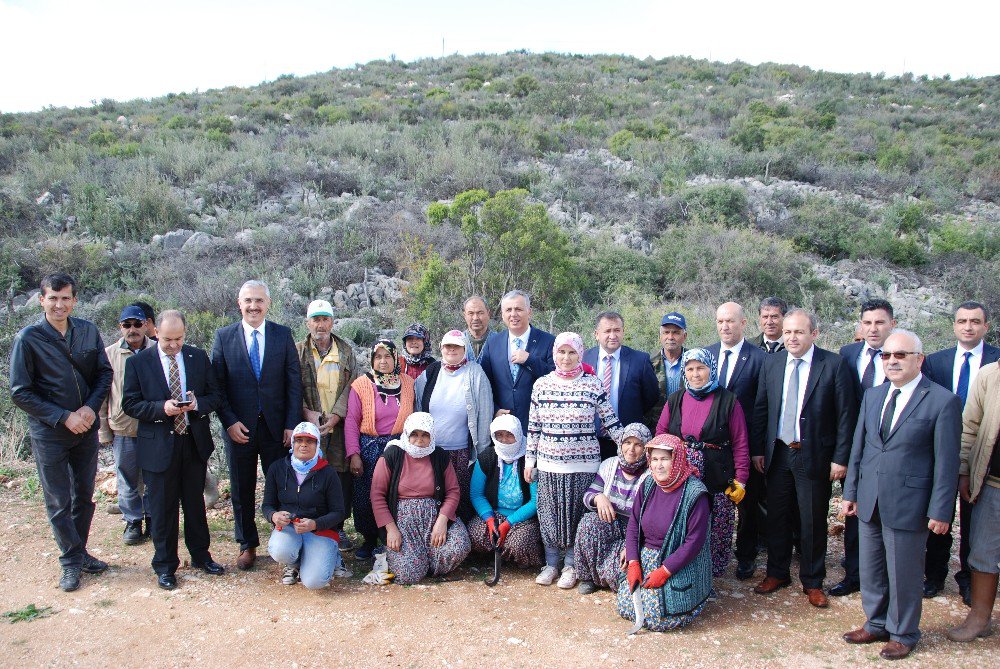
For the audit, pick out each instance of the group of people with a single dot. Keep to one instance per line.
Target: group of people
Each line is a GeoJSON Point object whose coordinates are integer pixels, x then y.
{"type": "Point", "coordinates": [603, 467]}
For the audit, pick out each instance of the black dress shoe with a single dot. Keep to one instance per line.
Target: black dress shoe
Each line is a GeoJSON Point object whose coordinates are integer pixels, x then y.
{"type": "Point", "coordinates": [92, 565]}
{"type": "Point", "coordinates": [210, 566]}
{"type": "Point", "coordinates": [965, 590]}
{"type": "Point", "coordinates": [166, 581]}
{"type": "Point", "coordinates": [844, 588]}
{"type": "Point", "coordinates": [932, 589]}
{"type": "Point", "coordinates": [70, 579]}
{"type": "Point", "coordinates": [744, 570]}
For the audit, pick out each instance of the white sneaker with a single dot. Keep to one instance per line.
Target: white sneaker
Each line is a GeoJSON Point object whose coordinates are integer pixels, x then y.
{"type": "Point", "coordinates": [342, 572]}
{"type": "Point", "coordinates": [547, 575]}
{"type": "Point", "coordinates": [290, 575]}
{"type": "Point", "coordinates": [568, 578]}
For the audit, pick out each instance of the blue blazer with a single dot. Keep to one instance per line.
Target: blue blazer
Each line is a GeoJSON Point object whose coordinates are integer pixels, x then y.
{"type": "Point", "coordinates": [516, 397]}
{"type": "Point", "coordinates": [278, 394]}
{"type": "Point", "coordinates": [940, 367]}
{"type": "Point", "coordinates": [743, 382]}
{"type": "Point", "coordinates": [638, 389]}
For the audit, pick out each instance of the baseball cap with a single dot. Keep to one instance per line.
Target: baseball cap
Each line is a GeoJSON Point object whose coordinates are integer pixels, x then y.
{"type": "Point", "coordinates": [132, 312]}
{"type": "Point", "coordinates": [675, 318]}
{"type": "Point", "coordinates": [319, 308]}
{"type": "Point", "coordinates": [453, 337]}
{"type": "Point", "coordinates": [306, 429]}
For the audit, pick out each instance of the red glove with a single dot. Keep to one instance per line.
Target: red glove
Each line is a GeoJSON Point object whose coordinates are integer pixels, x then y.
{"type": "Point", "coordinates": [503, 530]}
{"type": "Point", "coordinates": [657, 578]}
{"type": "Point", "coordinates": [634, 575]}
{"type": "Point", "coordinates": [491, 528]}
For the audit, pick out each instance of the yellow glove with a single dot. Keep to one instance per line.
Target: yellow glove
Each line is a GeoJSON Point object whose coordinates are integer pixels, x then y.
{"type": "Point", "coordinates": [736, 491]}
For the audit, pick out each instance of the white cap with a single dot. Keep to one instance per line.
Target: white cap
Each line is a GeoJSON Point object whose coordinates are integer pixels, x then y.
{"type": "Point", "coordinates": [453, 337]}
{"type": "Point", "coordinates": [306, 429]}
{"type": "Point", "coordinates": [319, 308]}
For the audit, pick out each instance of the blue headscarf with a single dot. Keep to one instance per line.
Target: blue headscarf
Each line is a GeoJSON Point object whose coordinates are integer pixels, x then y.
{"type": "Point", "coordinates": [703, 356]}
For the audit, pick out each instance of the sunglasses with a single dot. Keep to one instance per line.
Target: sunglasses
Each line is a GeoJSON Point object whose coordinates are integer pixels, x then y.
{"type": "Point", "coordinates": [134, 325]}
{"type": "Point", "coordinates": [898, 355]}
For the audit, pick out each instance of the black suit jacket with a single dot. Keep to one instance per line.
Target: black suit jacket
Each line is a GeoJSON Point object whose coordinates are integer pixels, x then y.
{"type": "Point", "coordinates": [510, 395]}
{"type": "Point", "coordinates": [743, 382]}
{"type": "Point", "coordinates": [278, 394]}
{"type": "Point", "coordinates": [826, 422]}
{"type": "Point", "coordinates": [758, 341]}
{"type": "Point", "coordinates": [850, 353]}
{"type": "Point", "coordinates": [940, 367]}
{"type": "Point", "coordinates": [145, 389]}
{"type": "Point", "coordinates": [637, 386]}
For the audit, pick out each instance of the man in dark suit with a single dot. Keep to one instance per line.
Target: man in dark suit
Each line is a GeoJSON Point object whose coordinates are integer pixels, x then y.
{"type": "Point", "coordinates": [257, 367]}
{"type": "Point", "coordinates": [956, 369]}
{"type": "Point", "coordinates": [901, 482]}
{"type": "Point", "coordinates": [514, 359]}
{"type": "Point", "coordinates": [739, 369]}
{"type": "Point", "coordinates": [771, 317]}
{"type": "Point", "coordinates": [171, 390]}
{"type": "Point", "coordinates": [877, 322]}
{"type": "Point", "coordinates": [800, 440]}
{"type": "Point", "coordinates": [627, 375]}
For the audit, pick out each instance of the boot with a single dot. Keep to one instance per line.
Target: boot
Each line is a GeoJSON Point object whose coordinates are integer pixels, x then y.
{"type": "Point", "coordinates": [977, 623]}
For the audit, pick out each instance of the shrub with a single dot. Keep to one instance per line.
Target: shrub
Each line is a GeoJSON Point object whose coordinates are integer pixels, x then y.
{"type": "Point", "coordinates": [333, 114]}
{"type": "Point", "coordinates": [179, 122]}
{"type": "Point", "coordinates": [102, 138]}
{"type": "Point", "coordinates": [523, 85]}
{"type": "Point", "coordinates": [220, 123]}
{"type": "Point", "coordinates": [621, 143]}
{"type": "Point", "coordinates": [717, 203]}
{"type": "Point", "coordinates": [216, 136]}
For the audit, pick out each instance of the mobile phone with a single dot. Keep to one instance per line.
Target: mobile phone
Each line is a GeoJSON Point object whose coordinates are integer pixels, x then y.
{"type": "Point", "coordinates": [185, 402]}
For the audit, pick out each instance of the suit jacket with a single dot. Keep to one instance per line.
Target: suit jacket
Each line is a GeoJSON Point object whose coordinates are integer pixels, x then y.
{"type": "Point", "coordinates": [743, 382]}
{"type": "Point", "coordinates": [510, 395]}
{"type": "Point", "coordinates": [278, 394]}
{"type": "Point", "coordinates": [940, 367]}
{"type": "Point", "coordinates": [827, 419]}
{"type": "Point", "coordinates": [850, 353]}
{"type": "Point", "coordinates": [758, 341]}
{"type": "Point", "coordinates": [913, 474]}
{"type": "Point", "coordinates": [638, 390]}
{"type": "Point", "coordinates": [145, 390]}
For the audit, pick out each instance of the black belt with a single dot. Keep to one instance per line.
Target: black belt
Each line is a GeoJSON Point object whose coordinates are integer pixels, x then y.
{"type": "Point", "coordinates": [794, 445]}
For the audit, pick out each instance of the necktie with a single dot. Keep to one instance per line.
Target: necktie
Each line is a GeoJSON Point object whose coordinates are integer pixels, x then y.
{"type": "Point", "coordinates": [608, 362]}
{"type": "Point", "coordinates": [890, 409]}
{"type": "Point", "coordinates": [790, 411]}
{"type": "Point", "coordinates": [180, 426]}
{"type": "Point", "coordinates": [724, 372]}
{"type": "Point", "coordinates": [255, 355]}
{"type": "Point", "coordinates": [868, 378]}
{"type": "Point", "coordinates": [515, 369]}
{"type": "Point", "coordinates": [963, 378]}
{"type": "Point", "coordinates": [772, 346]}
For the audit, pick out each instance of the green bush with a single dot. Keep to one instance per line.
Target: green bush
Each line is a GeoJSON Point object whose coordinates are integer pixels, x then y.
{"type": "Point", "coordinates": [829, 227]}
{"type": "Point", "coordinates": [717, 203]}
{"type": "Point", "coordinates": [179, 122]}
{"type": "Point", "coordinates": [216, 136]}
{"type": "Point", "coordinates": [102, 138]}
{"type": "Point", "coordinates": [219, 123]}
{"type": "Point", "coordinates": [333, 114]}
{"type": "Point", "coordinates": [523, 85]}
{"type": "Point", "coordinates": [957, 236]}
{"type": "Point", "coordinates": [621, 143]}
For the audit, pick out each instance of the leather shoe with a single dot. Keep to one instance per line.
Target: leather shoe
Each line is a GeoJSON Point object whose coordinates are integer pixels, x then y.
{"type": "Point", "coordinates": [70, 579]}
{"type": "Point", "coordinates": [965, 590]}
{"type": "Point", "coordinates": [246, 559]}
{"type": "Point", "coordinates": [931, 589]}
{"type": "Point", "coordinates": [92, 565]}
{"type": "Point", "coordinates": [744, 570]}
{"type": "Point", "coordinates": [816, 597]}
{"type": "Point", "coordinates": [166, 581]}
{"type": "Point", "coordinates": [861, 635]}
{"type": "Point", "coordinates": [844, 588]}
{"type": "Point", "coordinates": [770, 584]}
{"type": "Point", "coordinates": [895, 650]}
{"type": "Point", "coordinates": [210, 566]}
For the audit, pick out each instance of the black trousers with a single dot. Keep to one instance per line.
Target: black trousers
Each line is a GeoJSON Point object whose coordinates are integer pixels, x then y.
{"type": "Point", "coordinates": [852, 561]}
{"type": "Point", "coordinates": [243, 460]}
{"type": "Point", "coordinates": [182, 484]}
{"type": "Point", "coordinates": [787, 482]}
{"type": "Point", "coordinates": [752, 517]}
{"type": "Point", "coordinates": [939, 549]}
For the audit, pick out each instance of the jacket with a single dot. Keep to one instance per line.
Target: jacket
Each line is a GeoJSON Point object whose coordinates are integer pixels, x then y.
{"type": "Point", "coordinates": [318, 497]}
{"type": "Point", "coordinates": [114, 420]}
{"type": "Point", "coordinates": [478, 403]}
{"type": "Point", "coordinates": [333, 443]}
{"type": "Point", "coordinates": [980, 428]}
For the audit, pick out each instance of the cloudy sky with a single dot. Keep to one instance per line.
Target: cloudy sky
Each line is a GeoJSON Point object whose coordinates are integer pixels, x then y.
{"type": "Point", "coordinates": [70, 52]}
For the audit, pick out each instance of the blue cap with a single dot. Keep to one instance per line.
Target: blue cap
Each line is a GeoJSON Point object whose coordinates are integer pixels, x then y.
{"type": "Point", "coordinates": [130, 313]}
{"type": "Point", "coordinates": [674, 318]}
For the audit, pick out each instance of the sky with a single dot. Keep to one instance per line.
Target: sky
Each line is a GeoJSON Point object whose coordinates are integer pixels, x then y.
{"type": "Point", "coordinates": [73, 52]}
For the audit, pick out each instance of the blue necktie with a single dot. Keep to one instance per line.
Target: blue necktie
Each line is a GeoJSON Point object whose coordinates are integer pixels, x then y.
{"type": "Point", "coordinates": [255, 356]}
{"type": "Point", "coordinates": [724, 372]}
{"type": "Point", "coordinates": [515, 368]}
{"type": "Point", "coordinates": [963, 378]}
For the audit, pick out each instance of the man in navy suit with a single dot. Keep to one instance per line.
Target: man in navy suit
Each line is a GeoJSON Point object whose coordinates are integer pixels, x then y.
{"type": "Point", "coordinates": [901, 482]}
{"type": "Point", "coordinates": [739, 368]}
{"type": "Point", "coordinates": [256, 364]}
{"type": "Point", "coordinates": [956, 369]}
{"type": "Point", "coordinates": [877, 322]}
{"type": "Point", "coordinates": [171, 390]}
{"type": "Point", "coordinates": [627, 375]}
{"type": "Point", "coordinates": [514, 359]}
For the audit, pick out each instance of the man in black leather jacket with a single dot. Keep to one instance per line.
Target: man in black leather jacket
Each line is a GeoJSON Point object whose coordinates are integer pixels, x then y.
{"type": "Point", "coordinates": [60, 375]}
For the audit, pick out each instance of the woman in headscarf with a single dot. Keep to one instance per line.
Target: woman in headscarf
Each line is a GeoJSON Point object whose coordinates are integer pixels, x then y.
{"type": "Point", "coordinates": [416, 350]}
{"type": "Point", "coordinates": [711, 422]}
{"type": "Point", "coordinates": [563, 446]}
{"type": "Point", "coordinates": [600, 536]}
{"type": "Point", "coordinates": [377, 407]}
{"type": "Point", "coordinates": [666, 548]}
{"type": "Point", "coordinates": [458, 395]}
{"type": "Point", "coordinates": [415, 498]}
{"type": "Point", "coordinates": [506, 505]}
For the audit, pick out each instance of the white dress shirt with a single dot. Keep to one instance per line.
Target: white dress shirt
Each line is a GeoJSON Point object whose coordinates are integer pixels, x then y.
{"type": "Point", "coordinates": [733, 357]}
{"type": "Point", "coordinates": [804, 368]}
{"type": "Point", "coordinates": [975, 362]}
{"type": "Point", "coordinates": [524, 337]}
{"type": "Point", "coordinates": [862, 364]}
{"type": "Point", "coordinates": [616, 360]}
{"type": "Point", "coordinates": [248, 338]}
{"type": "Point", "coordinates": [165, 364]}
{"type": "Point", "coordinates": [905, 393]}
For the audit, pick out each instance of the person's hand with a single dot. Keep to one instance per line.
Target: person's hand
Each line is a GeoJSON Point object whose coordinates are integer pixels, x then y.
{"type": "Point", "coordinates": [656, 578]}
{"type": "Point", "coordinates": [287, 441]}
{"type": "Point", "coordinates": [837, 472]}
{"type": "Point", "coordinates": [76, 424]}
{"type": "Point", "coordinates": [501, 412]}
{"type": "Point", "coordinates": [238, 432]}
{"type": "Point", "coordinates": [963, 488]}
{"type": "Point", "coordinates": [491, 528]}
{"type": "Point", "coordinates": [328, 426]}
{"type": "Point", "coordinates": [303, 525]}
{"type": "Point", "coordinates": [171, 409]}
{"type": "Point", "coordinates": [439, 533]}
{"type": "Point", "coordinates": [87, 414]}
{"type": "Point", "coordinates": [194, 402]}
{"type": "Point", "coordinates": [736, 492]}
{"type": "Point", "coordinates": [605, 510]}
{"type": "Point", "coordinates": [849, 508]}
{"type": "Point", "coordinates": [938, 526]}
{"type": "Point", "coordinates": [529, 473]}
{"type": "Point", "coordinates": [519, 357]}
{"type": "Point", "coordinates": [633, 575]}
{"type": "Point", "coordinates": [393, 538]}
{"type": "Point", "coordinates": [313, 417]}
{"type": "Point", "coordinates": [502, 531]}
{"type": "Point", "coordinates": [281, 518]}
{"type": "Point", "coordinates": [758, 463]}
{"type": "Point", "coordinates": [356, 465]}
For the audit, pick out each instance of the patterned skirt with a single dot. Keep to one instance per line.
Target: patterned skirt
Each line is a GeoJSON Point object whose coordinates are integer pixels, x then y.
{"type": "Point", "coordinates": [460, 461]}
{"type": "Point", "coordinates": [598, 547]}
{"type": "Point", "coordinates": [523, 545]}
{"type": "Point", "coordinates": [416, 558]}
{"type": "Point", "coordinates": [720, 540]}
{"type": "Point", "coordinates": [364, 518]}
{"type": "Point", "coordinates": [655, 621]}
{"type": "Point", "coordinates": [560, 506]}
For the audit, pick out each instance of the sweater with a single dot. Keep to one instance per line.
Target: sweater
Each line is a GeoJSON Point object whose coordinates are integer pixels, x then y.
{"type": "Point", "coordinates": [510, 498]}
{"type": "Point", "coordinates": [611, 482]}
{"type": "Point", "coordinates": [318, 496]}
{"type": "Point", "coordinates": [416, 481]}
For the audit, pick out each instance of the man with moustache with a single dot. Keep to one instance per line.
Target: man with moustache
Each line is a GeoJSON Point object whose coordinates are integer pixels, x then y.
{"type": "Point", "coordinates": [771, 312]}
{"type": "Point", "coordinates": [477, 320]}
{"type": "Point", "coordinates": [667, 363]}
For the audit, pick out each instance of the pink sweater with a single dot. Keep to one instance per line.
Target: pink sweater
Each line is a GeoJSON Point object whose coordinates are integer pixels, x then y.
{"type": "Point", "coordinates": [693, 417]}
{"type": "Point", "coordinates": [416, 481]}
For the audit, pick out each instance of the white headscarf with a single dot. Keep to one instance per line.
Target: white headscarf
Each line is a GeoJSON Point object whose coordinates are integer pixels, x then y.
{"type": "Point", "coordinates": [508, 452]}
{"type": "Point", "coordinates": [416, 421]}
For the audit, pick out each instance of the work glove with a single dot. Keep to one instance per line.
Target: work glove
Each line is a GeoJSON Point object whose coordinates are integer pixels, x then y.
{"type": "Point", "coordinates": [634, 575]}
{"type": "Point", "coordinates": [491, 528]}
{"type": "Point", "coordinates": [503, 530]}
{"type": "Point", "coordinates": [736, 491]}
{"type": "Point", "coordinates": [657, 578]}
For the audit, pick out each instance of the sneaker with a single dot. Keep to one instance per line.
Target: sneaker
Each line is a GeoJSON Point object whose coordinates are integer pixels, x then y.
{"type": "Point", "coordinates": [345, 543]}
{"type": "Point", "coordinates": [290, 575]}
{"type": "Point", "coordinates": [92, 565]}
{"type": "Point", "coordinates": [568, 578]}
{"type": "Point", "coordinates": [70, 579]}
{"type": "Point", "coordinates": [365, 552]}
{"type": "Point", "coordinates": [342, 572]}
{"type": "Point", "coordinates": [133, 533]}
{"type": "Point", "coordinates": [547, 576]}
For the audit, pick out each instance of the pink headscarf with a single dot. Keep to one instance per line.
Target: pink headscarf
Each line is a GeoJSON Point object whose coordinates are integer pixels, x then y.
{"type": "Point", "coordinates": [574, 340]}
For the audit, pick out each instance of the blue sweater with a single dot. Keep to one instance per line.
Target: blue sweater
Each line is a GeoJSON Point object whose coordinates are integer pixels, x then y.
{"type": "Point", "coordinates": [510, 499]}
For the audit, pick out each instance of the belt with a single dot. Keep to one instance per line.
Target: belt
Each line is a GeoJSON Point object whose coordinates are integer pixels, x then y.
{"type": "Point", "coordinates": [794, 445]}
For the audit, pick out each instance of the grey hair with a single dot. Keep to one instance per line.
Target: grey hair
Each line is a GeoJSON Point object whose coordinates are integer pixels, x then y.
{"type": "Point", "coordinates": [255, 283]}
{"type": "Point", "coordinates": [169, 315]}
{"type": "Point", "coordinates": [470, 298]}
{"type": "Point", "coordinates": [917, 344]}
{"type": "Point", "coordinates": [798, 311]}
{"type": "Point", "coordinates": [517, 293]}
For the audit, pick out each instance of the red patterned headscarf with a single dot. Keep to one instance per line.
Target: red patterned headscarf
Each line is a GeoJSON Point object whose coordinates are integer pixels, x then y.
{"type": "Point", "coordinates": [681, 468]}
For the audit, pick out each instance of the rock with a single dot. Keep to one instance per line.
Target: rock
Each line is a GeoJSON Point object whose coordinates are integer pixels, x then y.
{"type": "Point", "coordinates": [44, 200]}
{"type": "Point", "coordinates": [173, 240]}
{"type": "Point", "coordinates": [199, 242]}
{"type": "Point", "coordinates": [271, 207]}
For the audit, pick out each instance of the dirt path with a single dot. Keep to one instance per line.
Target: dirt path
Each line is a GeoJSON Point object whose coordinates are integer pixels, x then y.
{"type": "Point", "coordinates": [122, 619]}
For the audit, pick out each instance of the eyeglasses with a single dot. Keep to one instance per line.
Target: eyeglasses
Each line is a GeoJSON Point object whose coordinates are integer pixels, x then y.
{"type": "Point", "coordinates": [135, 325]}
{"type": "Point", "coordinates": [898, 355]}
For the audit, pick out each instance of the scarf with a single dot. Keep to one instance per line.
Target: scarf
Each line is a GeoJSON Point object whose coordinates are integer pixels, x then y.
{"type": "Point", "coordinates": [574, 340]}
{"type": "Point", "coordinates": [424, 357]}
{"type": "Point", "coordinates": [642, 433]}
{"type": "Point", "coordinates": [386, 385]}
{"type": "Point", "coordinates": [509, 453]}
{"type": "Point", "coordinates": [703, 356]}
{"type": "Point", "coordinates": [305, 466]}
{"type": "Point", "coordinates": [416, 421]}
{"type": "Point", "coordinates": [681, 468]}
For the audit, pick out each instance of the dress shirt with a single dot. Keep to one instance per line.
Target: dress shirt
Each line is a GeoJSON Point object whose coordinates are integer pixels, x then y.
{"type": "Point", "coordinates": [804, 368]}
{"type": "Point", "coordinates": [905, 393]}
{"type": "Point", "coordinates": [524, 337]}
{"type": "Point", "coordinates": [975, 362]}
{"type": "Point", "coordinates": [766, 341]}
{"type": "Point", "coordinates": [248, 338]}
{"type": "Point", "coordinates": [733, 357]}
{"type": "Point", "coordinates": [862, 364]}
{"type": "Point", "coordinates": [616, 365]}
{"type": "Point", "coordinates": [165, 364]}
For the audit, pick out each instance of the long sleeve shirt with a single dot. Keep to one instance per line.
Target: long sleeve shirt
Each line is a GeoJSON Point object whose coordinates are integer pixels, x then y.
{"type": "Point", "coordinates": [695, 412]}
{"type": "Point", "coordinates": [510, 499]}
{"type": "Point", "coordinates": [385, 418]}
{"type": "Point", "coordinates": [656, 521]}
{"type": "Point", "coordinates": [416, 481]}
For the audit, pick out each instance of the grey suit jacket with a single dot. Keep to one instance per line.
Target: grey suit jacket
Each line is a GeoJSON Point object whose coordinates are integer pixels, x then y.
{"type": "Point", "coordinates": [913, 474]}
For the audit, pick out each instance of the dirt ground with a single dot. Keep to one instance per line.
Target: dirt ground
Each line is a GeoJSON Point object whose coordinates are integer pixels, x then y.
{"type": "Point", "coordinates": [121, 618]}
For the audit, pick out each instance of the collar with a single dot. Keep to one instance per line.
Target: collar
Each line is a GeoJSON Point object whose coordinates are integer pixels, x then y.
{"type": "Point", "coordinates": [525, 337]}
{"type": "Point", "coordinates": [469, 335]}
{"type": "Point", "coordinates": [247, 329]}
{"type": "Point", "coordinates": [617, 355]}
{"type": "Point", "coordinates": [977, 351]}
{"type": "Point", "coordinates": [867, 347]}
{"type": "Point", "coordinates": [69, 326]}
{"type": "Point", "coordinates": [779, 340]}
{"type": "Point", "coordinates": [123, 345]}
{"type": "Point", "coordinates": [909, 387]}
{"type": "Point", "coordinates": [807, 357]}
{"type": "Point", "coordinates": [735, 349]}
{"type": "Point", "coordinates": [164, 355]}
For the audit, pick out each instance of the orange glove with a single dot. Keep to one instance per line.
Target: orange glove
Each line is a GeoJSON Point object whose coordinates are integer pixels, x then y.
{"type": "Point", "coordinates": [502, 531]}
{"type": "Point", "coordinates": [491, 527]}
{"type": "Point", "coordinates": [656, 578]}
{"type": "Point", "coordinates": [634, 575]}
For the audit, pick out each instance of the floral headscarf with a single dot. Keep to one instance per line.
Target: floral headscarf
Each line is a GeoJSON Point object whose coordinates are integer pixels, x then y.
{"type": "Point", "coordinates": [642, 433]}
{"type": "Point", "coordinates": [419, 331]}
{"type": "Point", "coordinates": [681, 468]}
{"type": "Point", "coordinates": [387, 385]}
{"type": "Point", "coordinates": [574, 340]}
{"type": "Point", "coordinates": [703, 356]}
{"type": "Point", "coordinates": [417, 420]}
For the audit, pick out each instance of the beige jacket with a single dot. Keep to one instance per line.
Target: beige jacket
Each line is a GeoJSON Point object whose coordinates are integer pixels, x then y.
{"type": "Point", "coordinates": [114, 421]}
{"type": "Point", "coordinates": [980, 427]}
